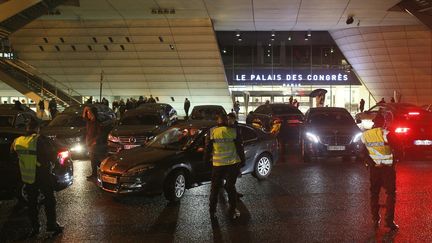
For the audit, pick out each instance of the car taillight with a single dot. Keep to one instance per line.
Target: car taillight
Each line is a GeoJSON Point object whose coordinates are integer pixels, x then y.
{"type": "Point", "coordinates": [62, 156]}
{"type": "Point", "coordinates": [401, 130]}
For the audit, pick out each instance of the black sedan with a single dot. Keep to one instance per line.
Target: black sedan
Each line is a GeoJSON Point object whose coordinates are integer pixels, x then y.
{"type": "Point", "coordinates": [330, 131]}
{"type": "Point", "coordinates": [207, 112]}
{"type": "Point", "coordinates": [289, 117]}
{"type": "Point", "coordinates": [139, 125]}
{"type": "Point", "coordinates": [12, 125]}
{"type": "Point", "coordinates": [69, 128]}
{"type": "Point", "coordinates": [173, 161]}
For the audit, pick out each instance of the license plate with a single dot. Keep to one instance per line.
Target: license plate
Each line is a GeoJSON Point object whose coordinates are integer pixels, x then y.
{"type": "Point", "coordinates": [130, 146]}
{"type": "Point", "coordinates": [109, 179]}
{"type": "Point", "coordinates": [423, 142]}
{"type": "Point", "coordinates": [336, 148]}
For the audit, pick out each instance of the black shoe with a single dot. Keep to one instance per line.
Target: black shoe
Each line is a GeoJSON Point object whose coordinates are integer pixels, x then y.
{"type": "Point", "coordinates": [393, 226]}
{"type": "Point", "coordinates": [235, 214]}
{"type": "Point", "coordinates": [55, 230]}
{"type": "Point", "coordinates": [239, 195]}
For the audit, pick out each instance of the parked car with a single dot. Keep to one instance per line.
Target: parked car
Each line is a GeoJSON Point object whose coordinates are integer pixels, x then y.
{"type": "Point", "coordinates": [330, 131]}
{"type": "Point", "coordinates": [69, 128]}
{"type": "Point", "coordinates": [173, 161]}
{"type": "Point", "coordinates": [364, 119]}
{"type": "Point", "coordinates": [140, 125]}
{"type": "Point", "coordinates": [207, 112]}
{"type": "Point", "coordinates": [289, 117]}
{"type": "Point", "coordinates": [411, 128]}
{"type": "Point", "coordinates": [12, 125]}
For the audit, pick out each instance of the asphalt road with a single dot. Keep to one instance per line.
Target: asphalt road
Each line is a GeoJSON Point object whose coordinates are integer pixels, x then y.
{"type": "Point", "coordinates": [324, 201]}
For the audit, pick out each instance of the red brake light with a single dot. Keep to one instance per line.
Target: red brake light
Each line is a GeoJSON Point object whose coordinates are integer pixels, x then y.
{"type": "Point", "coordinates": [413, 113]}
{"type": "Point", "coordinates": [401, 130]}
{"type": "Point", "coordinates": [62, 156]}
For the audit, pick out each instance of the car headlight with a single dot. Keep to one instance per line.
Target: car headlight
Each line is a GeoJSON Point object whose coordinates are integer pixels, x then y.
{"type": "Point", "coordinates": [113, 138]}
{"type": "Point", "coordinates": [77, 148]}
{"type": "Point", "coordinates": [312, 137]}
{"type": "Point", "coordinates": [138, 169]}
{"type": "Point", "coordinates": [357, 137]}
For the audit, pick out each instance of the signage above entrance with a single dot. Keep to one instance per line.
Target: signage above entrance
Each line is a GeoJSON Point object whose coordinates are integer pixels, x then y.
{"type": "Point", "coordinates": [286, 77]}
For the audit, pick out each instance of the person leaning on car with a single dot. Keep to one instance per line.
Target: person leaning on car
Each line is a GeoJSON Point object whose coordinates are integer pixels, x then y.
{"type": "Point", "coordinates": [224, 148]}
{"type": "Point", "coordinates": [381, 163]}
{"type": "Point", "coordinates": [36, 174]}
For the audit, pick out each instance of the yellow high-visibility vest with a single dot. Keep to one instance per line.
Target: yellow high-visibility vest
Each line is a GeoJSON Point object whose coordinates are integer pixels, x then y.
{"type": "Point", "coordinates": [25, 146]}
{"type": "Point", "coordinates": [376, 143]}
{"type": "Point", "coordinates": [224, 149]}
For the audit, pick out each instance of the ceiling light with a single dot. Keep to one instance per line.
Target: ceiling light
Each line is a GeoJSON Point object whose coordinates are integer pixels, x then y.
{"type": "Point", "coordinates": [289, 38]}
{"type": "Point", "coordinates": [331, 50]}
{"type": "Point", "coordinates": [171, 47]}
{"type": "Point", "coordinates": [306, 37]}
{"type": "Point", "coordinates": [309, 34]}
{"type": "Point", "coordinates": [270, 44]}
{"type": "Point", "coordinates": [240, 39]}
{"type": "Point", "coordinates": [273, 34]}
{"type": "Point", "coordinates": [237, 34]}
{"type": "Point", "coordinates": [224, 51]}
{"type": "Point", "coordinates": [350, 19]}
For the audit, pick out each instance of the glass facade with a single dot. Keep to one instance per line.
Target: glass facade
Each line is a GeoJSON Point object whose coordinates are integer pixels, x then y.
{"type": "Point", "coordinates": [273, 66]}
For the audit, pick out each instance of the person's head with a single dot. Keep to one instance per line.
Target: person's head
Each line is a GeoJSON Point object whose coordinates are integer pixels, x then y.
{"type": "Point", "coordinates": [221, 119]}
{"type": "Point", "coordinates": [378, 121]}
{"type": "Point", "coordinates": [231, 119]}
{"type": "Point", "coordinates": [32, 127]}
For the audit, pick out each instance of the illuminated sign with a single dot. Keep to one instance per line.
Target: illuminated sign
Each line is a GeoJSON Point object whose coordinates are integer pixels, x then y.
{"type": "Point", "coordinates": [287, 77]}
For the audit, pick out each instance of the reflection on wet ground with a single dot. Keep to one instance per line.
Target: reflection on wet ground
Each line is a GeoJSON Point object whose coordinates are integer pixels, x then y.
{"type": "Point", "coordinates": [324, 201]}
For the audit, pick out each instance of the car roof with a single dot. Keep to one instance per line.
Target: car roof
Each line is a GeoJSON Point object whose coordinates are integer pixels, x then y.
{"type": "Point", "coordinates": [9, 109]}
{"type": "Point", "coordinates": [402, 106]}
{"type": "Point", "coordinates": [195, 123]}
{"type": "Point", "coordinates": [135, 112]}
{"type": "Point", "coordinates": [153, 106]}
{"type": "Point", "coordinates": [328, 109]}
{"type": "Point", "coordinates": [208, 106]}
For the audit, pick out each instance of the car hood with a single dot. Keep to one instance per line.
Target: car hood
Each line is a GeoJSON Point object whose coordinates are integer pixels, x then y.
{"type": "Point", "coordinates": [134, 130]}
{"type": "Point", "coordinates": [331, 130]}
{"type": "Point", "coordinates": [127, 159]}
{"type": "Point", "coordinates": [63, 132]}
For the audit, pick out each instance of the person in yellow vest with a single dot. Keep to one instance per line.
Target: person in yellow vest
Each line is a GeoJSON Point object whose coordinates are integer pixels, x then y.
{"type": "Point", "coordinates": [380, 162]}
{"type": "Point", "coordinates": [225, 149]}
{"type": "Point", "coordinates": [35, 168]}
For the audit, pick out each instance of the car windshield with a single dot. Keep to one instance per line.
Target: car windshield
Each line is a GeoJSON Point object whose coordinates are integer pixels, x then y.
{"type": "Point", "coordinates": [206, 113]}
{"type": "Point", "coordinates": [67, 120]}
{"type": "Point", "coordinates": [174, 138]}
{"type": "Point", "coordinates": [142, 119]}
{"type": "Point", "coordinates": [285, 109]}
{"type": "Point", "coordinates": [331, 119]}
{"type": "Point", "coordinates": [6, 121]}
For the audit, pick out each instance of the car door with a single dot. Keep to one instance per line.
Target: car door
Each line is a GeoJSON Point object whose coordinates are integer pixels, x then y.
{"type": "Point", "coordinates": [201, 169]}
{"type": "Point", "coordinates": [250, 143]}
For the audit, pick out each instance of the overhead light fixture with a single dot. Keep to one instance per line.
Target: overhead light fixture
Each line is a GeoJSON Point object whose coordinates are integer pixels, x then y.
{"type": "Point", "coordinates": [350, 19]}
{"type": "Point", "coordinates": [309, 34]}
{"type": "Point", "coordinates": [224, 51]}
{"type": "Point", "coordinates": [239, 39]}
{"type": "Point", "coordinates": [237, 34]}
{"type": "Point", "coordinates": [273, 34]}
{"type": "Point", "coordinates": [171, 47]}
{"type": "Point", "coordinates": [331, 50]}
{"type": "Point", "coordinates": [269, 44]}
{"type": "Point", "coordinates": [306, 37]}
{"type": "Point", "coordinates": [289, 38]}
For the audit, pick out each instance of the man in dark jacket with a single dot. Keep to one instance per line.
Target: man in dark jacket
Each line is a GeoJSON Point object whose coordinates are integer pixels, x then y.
{"type": "Point", "coordinates": [33, 151]}
{"type": "Point", "coordinates": [186, 107]}
{"type": "Point", "coordinates": [52, 106]}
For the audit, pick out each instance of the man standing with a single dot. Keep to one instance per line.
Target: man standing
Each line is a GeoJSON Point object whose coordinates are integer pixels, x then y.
{"type": "Point", "coordinates": [381, 165]}
{"type": "Point", "coordinates": [362, 104]}
{"type": "Point", "coordinates": [52, 106]}
{"type": "Point", "coordinates": [41, 105]}
{"type": "Point", "coordinates": [382, 101]}
{"type": "Point", "coordinates": [151, 99]}
{"type": "Point", "coordinates": [35, 167]}
{"type": "Point", "coordinates": [222, 145]}
{"type": "Point", "coordinates": [186, 107]}
{"type": "Point", "coordinates": [96, 139]}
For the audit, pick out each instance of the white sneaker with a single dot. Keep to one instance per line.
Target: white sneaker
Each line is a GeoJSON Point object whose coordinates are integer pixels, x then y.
{"type": "Point", "coordinates": [236, 214]}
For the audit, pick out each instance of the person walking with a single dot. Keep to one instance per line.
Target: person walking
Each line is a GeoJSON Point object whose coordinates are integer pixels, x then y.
{"type": "Point", "coordinates": [41, 105]}
{"type": "Point", "coordinates": [36, 174]}
{"type": "Point", "coordinates": [237, 107]}
{"type": "Point", "coordinates": [223, 148]}
{"type": "Point", "coordinates": [362, 104]}
{"type": "Point", "coordinates": [96, 138]}
{"type": "Point", "coordinates": [52, 107]}
{"type": "Point", "coordinates": [186, 107]}
{"type": "Point", "coordinates": [381, 163]}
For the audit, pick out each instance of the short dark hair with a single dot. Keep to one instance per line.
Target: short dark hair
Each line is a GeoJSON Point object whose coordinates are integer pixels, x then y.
{"type": "Point", "coordinates": [231, 115]}
{"type": "Point", "coordinates": [221, 119]}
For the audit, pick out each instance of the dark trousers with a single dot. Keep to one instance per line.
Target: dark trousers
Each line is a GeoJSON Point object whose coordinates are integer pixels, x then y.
{"type": "Point", "coordinates": [383, 177]}
{"type": "Point", "coordinates": [187, 112]}
{"type": "Point", "coordinates": [47, 190]}
{"type": "Point", "coordinates": [219, 174]}
{"type": "Point", "coordinates": [97, 154]}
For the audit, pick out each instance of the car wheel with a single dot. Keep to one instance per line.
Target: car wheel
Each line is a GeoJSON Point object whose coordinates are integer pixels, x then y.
{"type": "Point", "coordinates": [175, 186]}
{"type": "Point", "coordinates": [263, 167]}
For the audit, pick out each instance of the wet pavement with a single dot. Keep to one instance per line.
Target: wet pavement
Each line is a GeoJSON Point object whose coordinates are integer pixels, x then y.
{"type": "Point", "coordinates": [324, 201]}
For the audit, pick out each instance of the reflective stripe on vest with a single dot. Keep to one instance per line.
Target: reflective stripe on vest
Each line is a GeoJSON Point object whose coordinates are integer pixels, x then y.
{"type": "Point", "coordinates": [379, 151]}
{"type": "Point", "coordinates": [224, 149]}
{"type": "Point", "coordinates": [25, 146]}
